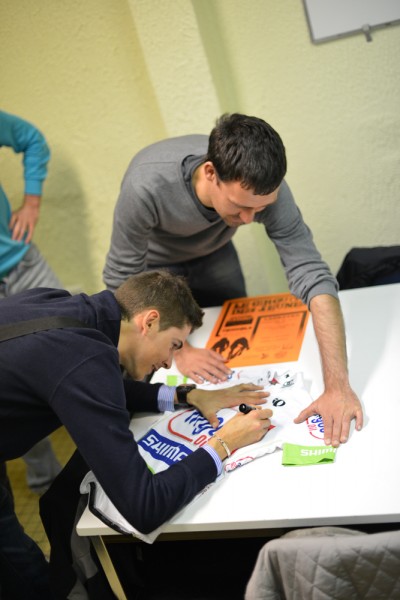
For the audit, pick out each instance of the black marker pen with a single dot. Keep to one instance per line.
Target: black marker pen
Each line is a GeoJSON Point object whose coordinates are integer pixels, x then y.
{"type": "Point", "coordinates": [245, 408]}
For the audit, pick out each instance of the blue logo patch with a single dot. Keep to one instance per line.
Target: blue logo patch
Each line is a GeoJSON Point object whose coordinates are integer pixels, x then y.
{"type": "Point", "coordinates": [162, 448]}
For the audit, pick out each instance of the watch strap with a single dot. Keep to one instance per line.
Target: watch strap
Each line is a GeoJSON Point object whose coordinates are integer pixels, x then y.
{"type": "Point", "coordinates": [181, 394]}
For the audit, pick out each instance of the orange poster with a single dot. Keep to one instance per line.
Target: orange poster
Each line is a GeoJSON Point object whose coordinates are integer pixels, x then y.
{"type": "Point", "coordinates": [260, 330]}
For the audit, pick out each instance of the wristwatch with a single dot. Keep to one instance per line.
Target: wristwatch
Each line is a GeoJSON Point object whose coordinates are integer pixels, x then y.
{"type": "Point", "coordinates": [181, 393]}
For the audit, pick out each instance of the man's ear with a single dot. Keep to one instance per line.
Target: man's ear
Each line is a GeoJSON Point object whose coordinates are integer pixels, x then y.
{"type": "Point", "coordinates": [209, 171]}
{"type": "Point", "coordinates": [151, 321]}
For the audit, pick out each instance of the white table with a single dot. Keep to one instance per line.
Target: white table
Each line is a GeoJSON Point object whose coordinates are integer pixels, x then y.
{"type": "Point", "coordinates": [362, 485]}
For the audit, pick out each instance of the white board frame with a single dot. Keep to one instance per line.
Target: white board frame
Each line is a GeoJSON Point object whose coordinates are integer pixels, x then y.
{"type": "Point", "coordinates": [333, 19]}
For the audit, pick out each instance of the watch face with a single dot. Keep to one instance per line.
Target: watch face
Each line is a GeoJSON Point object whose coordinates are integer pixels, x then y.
{"type": "Point", "coordinates": [185, 388]}
{"type": "Point", "coordinates": [182, 392]}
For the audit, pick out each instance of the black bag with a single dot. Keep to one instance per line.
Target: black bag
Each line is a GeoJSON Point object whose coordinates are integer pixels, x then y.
{"type": "Point", "coordinates": [363, 267]}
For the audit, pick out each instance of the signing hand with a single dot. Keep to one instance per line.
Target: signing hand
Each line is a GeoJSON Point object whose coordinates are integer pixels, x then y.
{"type": "Point", "coordinates": [337, 410]}
{"type": "Point", "coordinates": [209, 402]}
{"type": "Point", "coordinates": [242, 430]}
{"type": "Point", "coordinates": [201, 365]}
{"type": "Point", "coordinates": [23, 220]}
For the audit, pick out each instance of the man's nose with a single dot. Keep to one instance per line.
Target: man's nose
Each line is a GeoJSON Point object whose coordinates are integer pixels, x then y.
{"type": "Point", "coordinates": [247, 216]}
{"type": "Point", "coordinates": [167, 363]}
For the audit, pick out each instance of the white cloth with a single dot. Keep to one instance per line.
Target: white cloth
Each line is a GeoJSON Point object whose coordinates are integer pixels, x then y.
{"type": "Point", "coordinates": [176, 435]}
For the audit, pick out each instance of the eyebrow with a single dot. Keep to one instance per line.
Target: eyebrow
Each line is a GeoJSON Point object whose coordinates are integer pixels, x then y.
{"type": "Point", "coordinates": [258, 208]}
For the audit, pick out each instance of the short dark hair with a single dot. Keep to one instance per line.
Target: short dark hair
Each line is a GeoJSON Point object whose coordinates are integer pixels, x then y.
{"type": "Point", "coordinates": [167, 293]}
{"type": "Point", "coordinates": [249, 150]}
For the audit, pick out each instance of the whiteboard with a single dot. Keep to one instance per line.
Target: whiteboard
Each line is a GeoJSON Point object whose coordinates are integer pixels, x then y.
{"type": "Point", "coordinates": [331, 19]}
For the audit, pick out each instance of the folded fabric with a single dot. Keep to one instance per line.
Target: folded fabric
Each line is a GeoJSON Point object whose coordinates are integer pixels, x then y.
{"type": "Point", "coordinates": [102, 507]}
{"type": "Point", "coordinates": [295, 455]}
{"type": "Point", "coordinates": [176, 435]}
{"type": "Point", "coordinates": [288, 397]}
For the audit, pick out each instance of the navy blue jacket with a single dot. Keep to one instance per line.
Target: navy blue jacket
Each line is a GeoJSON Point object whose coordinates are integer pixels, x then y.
{"type": "Point", "coordinates": [72, 377]}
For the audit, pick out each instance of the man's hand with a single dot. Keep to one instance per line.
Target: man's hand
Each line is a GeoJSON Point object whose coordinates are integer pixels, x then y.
{"type": "Point", "coordinates": [242, 430]}
{"type": "Point", "coordinates": [209, 402]}
{"type": "Point", "coordinates": [201, 365]}
{"type": "Point", "coordinates": [337, 410]}
{"type": "Point", "coordinates": [23, 220]}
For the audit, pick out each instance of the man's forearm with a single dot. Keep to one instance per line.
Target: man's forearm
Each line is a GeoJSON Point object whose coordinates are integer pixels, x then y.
{"type": "Point", "coordinates": [338, 405]}
{"type": "Point", "coordinates": [330, 333]}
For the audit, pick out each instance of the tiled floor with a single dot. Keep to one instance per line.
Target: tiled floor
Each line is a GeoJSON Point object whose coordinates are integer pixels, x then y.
{"type": "Point", "coordinates": [27, 502]}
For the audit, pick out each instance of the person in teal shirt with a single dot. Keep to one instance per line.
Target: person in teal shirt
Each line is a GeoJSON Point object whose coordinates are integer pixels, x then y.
{"type": "Point", "coordinates": [22, 266]}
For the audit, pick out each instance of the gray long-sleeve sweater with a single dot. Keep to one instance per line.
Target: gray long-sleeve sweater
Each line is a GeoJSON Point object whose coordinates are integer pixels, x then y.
{"type": "Point", "coordinates": [158, 222]}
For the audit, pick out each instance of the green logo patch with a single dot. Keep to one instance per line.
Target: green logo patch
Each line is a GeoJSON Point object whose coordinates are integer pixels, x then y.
{"type": "Point", "coordinates": [297, 456]}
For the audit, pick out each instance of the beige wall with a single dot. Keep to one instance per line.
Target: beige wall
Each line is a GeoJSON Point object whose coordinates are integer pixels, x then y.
{"type": "Point", "coordinates": [103, 78]}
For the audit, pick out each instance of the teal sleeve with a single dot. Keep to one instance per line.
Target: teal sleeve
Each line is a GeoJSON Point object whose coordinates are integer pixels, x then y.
{"type": "Point", "coordinates": [23, 137]}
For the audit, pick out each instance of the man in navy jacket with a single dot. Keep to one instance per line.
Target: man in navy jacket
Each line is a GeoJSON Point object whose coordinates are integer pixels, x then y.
{"type": "Point", "coordinates": [72, 376]}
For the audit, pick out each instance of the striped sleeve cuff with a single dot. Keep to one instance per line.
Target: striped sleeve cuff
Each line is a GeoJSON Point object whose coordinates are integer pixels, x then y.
{"type": "Point", "coordinates": [165, 398]}
{"type": "Point", "coordinates": [215, 457]}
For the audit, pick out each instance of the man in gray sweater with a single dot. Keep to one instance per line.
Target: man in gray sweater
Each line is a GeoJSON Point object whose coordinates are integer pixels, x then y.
{"type": "Point", "coordinates": [181, 202]}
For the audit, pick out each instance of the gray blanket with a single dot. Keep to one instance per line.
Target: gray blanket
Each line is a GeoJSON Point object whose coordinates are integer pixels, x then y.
{"type": "Point", "coordinates": [325, 563]}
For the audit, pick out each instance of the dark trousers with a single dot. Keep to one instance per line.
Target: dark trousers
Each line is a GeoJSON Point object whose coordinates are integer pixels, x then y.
{"type": "Point", "coordinates": [213, 278]}
{"type": "Point", "coordinates": [24, 573]}
{"type": "Point", "coordinates": [4, 478]}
